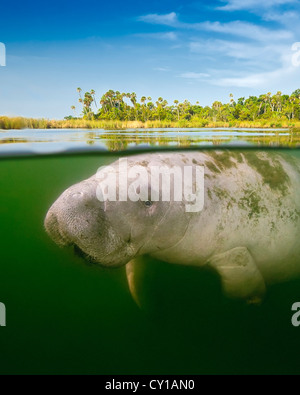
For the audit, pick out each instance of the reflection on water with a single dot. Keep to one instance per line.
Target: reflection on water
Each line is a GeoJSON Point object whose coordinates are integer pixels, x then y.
{"type": "Point", "coordinates": [58, 140]}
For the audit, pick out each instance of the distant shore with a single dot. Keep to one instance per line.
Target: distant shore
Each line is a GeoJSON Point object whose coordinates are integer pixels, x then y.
{"type": "Point", "coordinates": [7, 123]}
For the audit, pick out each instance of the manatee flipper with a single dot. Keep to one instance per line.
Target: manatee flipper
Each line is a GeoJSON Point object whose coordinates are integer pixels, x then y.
{"type": "Point", "coordinates": [239, 274]}
{"type": "Point", "coordinates": [133, 278]}
{"type": "Point", "coordinates": [142, 273]}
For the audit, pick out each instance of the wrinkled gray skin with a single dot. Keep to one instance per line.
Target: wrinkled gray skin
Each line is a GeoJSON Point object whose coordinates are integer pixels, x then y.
{"type": "Point", "coordinates": [248, 231]}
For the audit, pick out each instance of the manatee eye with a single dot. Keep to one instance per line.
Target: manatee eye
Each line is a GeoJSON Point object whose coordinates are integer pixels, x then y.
{"type": "Point", "coordinates": [148, 203]}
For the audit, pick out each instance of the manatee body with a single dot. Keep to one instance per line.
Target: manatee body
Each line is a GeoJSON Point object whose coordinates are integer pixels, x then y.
{"type": "Point", "coordinates": [248, 230]}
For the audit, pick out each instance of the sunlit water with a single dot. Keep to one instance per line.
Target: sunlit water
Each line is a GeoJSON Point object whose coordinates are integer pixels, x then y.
{"type": "Point", "coordinates": [64, 316]}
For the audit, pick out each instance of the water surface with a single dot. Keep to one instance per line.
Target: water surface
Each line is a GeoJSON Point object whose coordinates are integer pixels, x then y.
{"type": "Point", "coordinates": [40, 141]}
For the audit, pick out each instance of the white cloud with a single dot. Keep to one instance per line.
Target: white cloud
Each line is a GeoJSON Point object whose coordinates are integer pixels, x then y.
{"type": "Point", "coordinates": [250, 81]}
{"type": "Point", "coordinates": [288, 19]}
{"type": "Point", "coordinates": [165, 69]}
{"type": "Point", "coordinates": [281, 17]}
{"type": "Point", "coordinates": [238, 53]}
{"type": "Point", "coordinates": [254, 54]}
{"type": "Point", "coordinates": [262, 67]}
{"type": "Point", "coordinates": [232, 49]}
{"type": "Point", "coordinates": [160, 19]}
{"type": "Point", "coordinates": [236, 28]}
{"type": "Point", "coordinates": [268, 10]}
{"type": "Point", "coordinates": [171, 36]}
{"type": "Point", "coordinates": [245, 29]}
{"type": "Point", "coordinates": [236, 5]}
{"type": "Point", "coordinates": [194, 76]}
{"type": "Point", "coordinates": [258, 80]}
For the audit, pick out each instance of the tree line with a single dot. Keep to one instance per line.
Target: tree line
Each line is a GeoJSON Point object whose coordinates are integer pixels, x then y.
{"type": "Point", "coordinates": [115, 105]}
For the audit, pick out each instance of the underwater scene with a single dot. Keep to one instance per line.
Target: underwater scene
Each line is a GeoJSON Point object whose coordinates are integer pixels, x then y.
{"type": "Point", "coordinates": [150, 190]}
{"type": "Point", "coordinates": [150, 283]}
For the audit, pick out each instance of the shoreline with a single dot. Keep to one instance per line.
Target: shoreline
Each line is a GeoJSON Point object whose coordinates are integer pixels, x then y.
{"type": "Point", "coordinates": [19, 123]}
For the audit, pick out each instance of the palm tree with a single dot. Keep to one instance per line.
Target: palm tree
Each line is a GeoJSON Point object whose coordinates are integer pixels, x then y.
{"type": "Point", "coordinates": [73, 108]}
{"type": "Point", "coordinates": [133, 98]}
{"type": "Point", "coordinates": [80, 100]}
{"type": "Point", "coordinates": [176, 102]}
{"type": "Point", "coordinates": [278, 101]}
{"type": "Point", "coordinates": [143, 100]}
{"type": "Point", "coordinates": [217, 105]}
{"type": "Point", "coordinates": [159, 107]}
{"type": "Point", "coordinates": [93, 95]}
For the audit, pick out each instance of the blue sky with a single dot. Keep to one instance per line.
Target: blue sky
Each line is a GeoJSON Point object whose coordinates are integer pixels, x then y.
{"type": "Point", "coordinates": [196, 50]}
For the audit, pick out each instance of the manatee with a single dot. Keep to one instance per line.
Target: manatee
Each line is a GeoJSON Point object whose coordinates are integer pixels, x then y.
{"type": "Point", "coordinates": [247, 230]}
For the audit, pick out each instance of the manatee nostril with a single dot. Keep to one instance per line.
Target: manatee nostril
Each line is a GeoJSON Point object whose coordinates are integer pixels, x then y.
{"type": "Point", "coordinates": [77, 195]}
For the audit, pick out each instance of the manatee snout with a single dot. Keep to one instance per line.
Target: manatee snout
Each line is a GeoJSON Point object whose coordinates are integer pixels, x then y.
{"type": "Point", "coordinates": [52, 228]}
{"type": "Point", "coordinates": [78, 219]}
{"type": "Point", "coordinates": [75, 216]}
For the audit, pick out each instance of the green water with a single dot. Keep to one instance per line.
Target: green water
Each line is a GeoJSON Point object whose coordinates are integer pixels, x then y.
{"type": "Point", "coordinates": [64, 316]}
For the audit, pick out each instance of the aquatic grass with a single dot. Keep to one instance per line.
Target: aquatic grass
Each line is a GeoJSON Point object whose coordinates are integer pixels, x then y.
{"type": "Point", "coordinates": [31, 123]}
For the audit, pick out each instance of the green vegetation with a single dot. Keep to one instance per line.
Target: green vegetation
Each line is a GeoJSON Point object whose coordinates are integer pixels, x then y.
{"type": "Point", "coordinates": [266, 110]}
{"type": "Point", "coordinates": [118, 110]}
{"type": "Point", "coordinates": [81, 123]}
{"type": "Point", "coordinates": [273, 174]}
{"type": "Point", "coordinates": [252, 202]}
